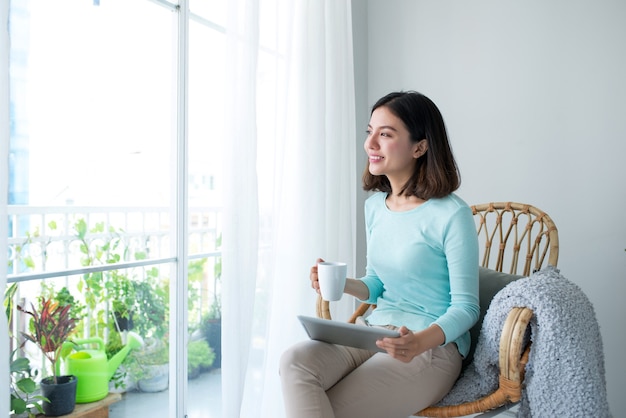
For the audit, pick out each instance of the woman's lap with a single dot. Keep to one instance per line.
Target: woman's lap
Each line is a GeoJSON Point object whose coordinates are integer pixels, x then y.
{"type": "Point", "coordinates": [347, 382]}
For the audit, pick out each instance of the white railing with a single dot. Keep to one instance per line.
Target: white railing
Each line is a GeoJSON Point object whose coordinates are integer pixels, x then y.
{"type": "Point", "coordinates": [45, 239]}
{"type": "Point", "coordinates": [66, 246]}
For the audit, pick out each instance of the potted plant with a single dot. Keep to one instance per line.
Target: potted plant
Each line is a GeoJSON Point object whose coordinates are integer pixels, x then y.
{"type": "Point", "coordinates": [211, 329]}
{"type": "Point", "coordinates": [200, 357]}
{"type": "Point", "coordinates": [49, 329]}
{"type": "Point", "coordinates": [150, 366]}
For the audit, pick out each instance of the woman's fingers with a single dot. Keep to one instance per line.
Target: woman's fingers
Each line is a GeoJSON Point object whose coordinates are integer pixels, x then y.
{"type": "Point", "coordinates": [313, 276]}
{"type": "Point", "coordinates": [400, 348]}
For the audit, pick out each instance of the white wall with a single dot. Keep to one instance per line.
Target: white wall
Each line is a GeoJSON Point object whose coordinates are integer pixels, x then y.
{"type": "Point", "coordinates": [534, 97]}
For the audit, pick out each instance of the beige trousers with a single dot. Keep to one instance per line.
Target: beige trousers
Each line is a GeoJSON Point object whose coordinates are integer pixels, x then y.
{"type": "Point", "coordinates": [321, 380]}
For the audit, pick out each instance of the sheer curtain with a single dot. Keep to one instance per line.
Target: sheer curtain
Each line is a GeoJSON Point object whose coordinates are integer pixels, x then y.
{"type": "Point", "coordinates": [291, 175]}
{"type": "Point", "coordinates": [4, 193]}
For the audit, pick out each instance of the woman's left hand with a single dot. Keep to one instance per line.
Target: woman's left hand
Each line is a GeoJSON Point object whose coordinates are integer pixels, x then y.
{"type": "Point", "coordinates": [403, 348]}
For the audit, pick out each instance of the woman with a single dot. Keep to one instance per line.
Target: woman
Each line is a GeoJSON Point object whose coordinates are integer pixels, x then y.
{"type": "Point", "coordinates": [422, 273]}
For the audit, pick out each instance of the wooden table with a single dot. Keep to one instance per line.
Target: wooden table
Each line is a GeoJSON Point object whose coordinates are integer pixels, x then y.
{"type": "Point", "coordinates": [98, 409]}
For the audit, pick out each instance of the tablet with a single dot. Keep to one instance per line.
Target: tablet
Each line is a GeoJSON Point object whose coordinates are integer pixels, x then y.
{"type": "Point", "coordinates": [344, 333]}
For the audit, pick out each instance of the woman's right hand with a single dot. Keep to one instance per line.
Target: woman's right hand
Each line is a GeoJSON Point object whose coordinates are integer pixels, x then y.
{"type": "Point", "coordinates": [315, 284]}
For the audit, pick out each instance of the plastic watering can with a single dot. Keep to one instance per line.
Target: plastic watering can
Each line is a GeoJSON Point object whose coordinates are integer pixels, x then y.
{"type": "Point", "coordinates": [92, 368]}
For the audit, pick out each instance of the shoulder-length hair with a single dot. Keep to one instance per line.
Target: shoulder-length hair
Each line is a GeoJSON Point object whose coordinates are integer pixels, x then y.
{"type": "Point", "coordinates": [436, 173]}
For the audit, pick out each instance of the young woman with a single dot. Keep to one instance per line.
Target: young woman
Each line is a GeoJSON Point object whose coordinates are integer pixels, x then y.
{"type": "Point", "coordinates": [422, 273]}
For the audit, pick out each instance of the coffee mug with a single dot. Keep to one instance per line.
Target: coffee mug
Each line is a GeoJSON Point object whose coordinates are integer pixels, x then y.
{"type": "Point", "coordinates": [332, 279]}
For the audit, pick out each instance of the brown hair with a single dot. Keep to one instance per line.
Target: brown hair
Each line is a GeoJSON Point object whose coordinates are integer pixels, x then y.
{"type": "Point", "coordinates": [435, 173]}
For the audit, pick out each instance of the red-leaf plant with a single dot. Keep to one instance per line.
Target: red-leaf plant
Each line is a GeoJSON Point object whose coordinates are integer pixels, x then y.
{"type": "Point", "coordinates": [50, 329]}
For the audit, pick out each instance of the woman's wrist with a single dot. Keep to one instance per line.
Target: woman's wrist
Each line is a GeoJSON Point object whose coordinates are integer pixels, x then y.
{"type": "Point", "coordinates": [356, 288]}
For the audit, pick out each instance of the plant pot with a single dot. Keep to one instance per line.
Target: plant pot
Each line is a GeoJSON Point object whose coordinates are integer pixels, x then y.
{"type": "Point", "coordinates": [62, 395]}
{"type": "Point", "coordinates": [214, 338]}
{"type": "Point", "coordinates": [156, 380]}
{"type": "Point", "coordinates": [124, 323]}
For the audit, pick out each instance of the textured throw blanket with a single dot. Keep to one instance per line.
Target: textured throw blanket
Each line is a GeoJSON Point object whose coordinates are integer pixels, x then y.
{"type": "Point", "coordinates": [565, 375]}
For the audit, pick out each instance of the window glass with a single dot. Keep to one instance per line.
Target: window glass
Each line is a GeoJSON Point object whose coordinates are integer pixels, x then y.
{"type": "Point", "coordinates": [94, 105]}
{"type": "Point", "coordinates": [92, 179]}
{"type": "Point", "coordinates": [216, 11]}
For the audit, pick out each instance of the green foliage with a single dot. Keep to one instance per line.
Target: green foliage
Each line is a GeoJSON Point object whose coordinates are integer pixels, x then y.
{"type": "Point", "coordinates": [151, 317]}
{"type": "Point", "coordinates": [23, 387]}
{"type": "Point", "coordinates": [64, 298]}
{"type": "Point", "coordinates": [110, 249]}
{"type": "Point", "coordinates": [9, 303]}
{"type": "Point", "coordinates": [142, 299]}
{"type": "Point", "coordinates": [199, 356]}
{"type": "Point", "coordinates": [154, 353]}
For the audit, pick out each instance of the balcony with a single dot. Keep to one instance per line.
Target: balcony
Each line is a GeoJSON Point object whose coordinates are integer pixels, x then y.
{"type": "Point", "coordinates": [116, 265]}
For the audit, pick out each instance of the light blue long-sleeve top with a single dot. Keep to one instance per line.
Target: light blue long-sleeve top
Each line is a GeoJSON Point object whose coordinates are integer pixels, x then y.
{"type": "Point", "coordinates": [422, 266]}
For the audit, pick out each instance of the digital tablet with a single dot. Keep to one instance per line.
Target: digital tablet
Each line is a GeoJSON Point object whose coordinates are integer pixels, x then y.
{"type": "Point", "coordinates": [344, 333]}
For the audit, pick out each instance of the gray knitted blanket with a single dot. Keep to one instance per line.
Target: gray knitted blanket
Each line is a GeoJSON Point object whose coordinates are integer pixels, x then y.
{"type": "Point", "coordinates": [565, 375]}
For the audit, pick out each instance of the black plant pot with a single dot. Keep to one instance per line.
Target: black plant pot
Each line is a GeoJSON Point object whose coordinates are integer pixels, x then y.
{"type": "Point", "coordinates": [215, 340]}
{"type": "Point", "coordinates": [125, 324]}
{"type": "Point", "coordinates": [62, 395]}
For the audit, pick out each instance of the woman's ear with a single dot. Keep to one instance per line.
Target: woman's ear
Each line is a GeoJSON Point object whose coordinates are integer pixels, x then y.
{"type": "Point", "coordinates": [420, 148]}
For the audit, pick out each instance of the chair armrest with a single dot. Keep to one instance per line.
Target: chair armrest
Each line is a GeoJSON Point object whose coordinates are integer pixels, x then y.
{"type": "Point", "coordinates": [322, 308]}
{"type": "Point", "coordinates": [512, 363]}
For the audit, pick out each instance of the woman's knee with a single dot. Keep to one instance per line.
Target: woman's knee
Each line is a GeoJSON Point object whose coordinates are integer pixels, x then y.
{"type": "Point", "coordinates": [294, 357]}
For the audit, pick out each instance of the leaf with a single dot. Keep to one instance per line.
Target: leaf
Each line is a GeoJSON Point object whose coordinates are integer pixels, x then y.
{"type": "Point", "coordinates": [26, 385]}
{"type": "Point", "coordinates": [21, 364]}
{"type": "Point", "coordinates": [18, 405]}
{"type": "Point", "coordinates": [28, 261]}
{"type": "Point", "coordinates": [99, 227]}
{"type": "Point", "coordinates": [81, 228]}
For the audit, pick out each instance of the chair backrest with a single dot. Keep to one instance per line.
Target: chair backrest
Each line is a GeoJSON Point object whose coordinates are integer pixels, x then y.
{"type": "Point", "coordinates": [509, 232]}
{"type": "Point", "coordinates": [515, 234]}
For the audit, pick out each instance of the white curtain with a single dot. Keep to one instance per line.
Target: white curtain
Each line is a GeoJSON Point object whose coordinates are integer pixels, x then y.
{"type": "Point", "coordinates": [280, 217]}
{"type": "Point", "coordinates": [4, 193]}
{"type": "Point", "coordinates": [241, 214]}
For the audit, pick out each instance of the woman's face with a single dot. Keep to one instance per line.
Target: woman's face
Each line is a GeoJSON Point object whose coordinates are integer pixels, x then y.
{"type": "Point", "coordinates": [389, 147]}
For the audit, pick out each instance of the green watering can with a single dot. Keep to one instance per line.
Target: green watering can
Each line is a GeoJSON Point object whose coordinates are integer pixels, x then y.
{"type": "Point", "coordinates": [92, 368]}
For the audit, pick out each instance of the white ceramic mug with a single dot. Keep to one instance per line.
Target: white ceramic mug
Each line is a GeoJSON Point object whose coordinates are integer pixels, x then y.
{"type": "Point", "coordinates": [332, 279]}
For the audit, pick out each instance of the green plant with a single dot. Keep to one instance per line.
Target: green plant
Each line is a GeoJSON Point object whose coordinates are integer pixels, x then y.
{"type": "Point", "coordinates": [110, 248]}
{"type": "Point", "coordinates": [24, 259]}
{"type": "Point", "coordinates": [49, 329]}
{"type": "Point", "coordinates": [199, 356]}
{"type": "Point", "coordinates": [154, 353]}
{"type": "Point", "coordinates": [151, 317]}
{"type": "Point", "coordinates": [64, 298]}
{"type": "Point", "coordinates": [9, 303]}
{"type": "Point", "coordinates": [23, 387]}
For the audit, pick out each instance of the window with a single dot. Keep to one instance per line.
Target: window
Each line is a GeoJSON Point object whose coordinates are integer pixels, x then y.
{"type": "Point", "coordinates": [94, 195]}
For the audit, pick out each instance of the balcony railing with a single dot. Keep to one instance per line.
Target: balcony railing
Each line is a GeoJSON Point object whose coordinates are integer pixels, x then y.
{"type": "Point", "coordinates": [94, 252]}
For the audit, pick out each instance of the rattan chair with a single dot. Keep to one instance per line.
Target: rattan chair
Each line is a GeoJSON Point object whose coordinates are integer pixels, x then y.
{"type": "Point", "coordinates": [525, 239]}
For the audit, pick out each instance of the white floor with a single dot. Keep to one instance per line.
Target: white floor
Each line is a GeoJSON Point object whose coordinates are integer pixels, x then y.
{"type": "Point", "coordinates": [205, 397]}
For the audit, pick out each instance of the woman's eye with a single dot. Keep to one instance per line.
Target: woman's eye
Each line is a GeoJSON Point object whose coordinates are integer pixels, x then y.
{"type": "Point", "coordinates": [368, 132]}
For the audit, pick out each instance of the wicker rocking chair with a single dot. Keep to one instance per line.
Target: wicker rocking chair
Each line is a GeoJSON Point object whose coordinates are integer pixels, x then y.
{"type": "Point", "coordinates": [525, 239]}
